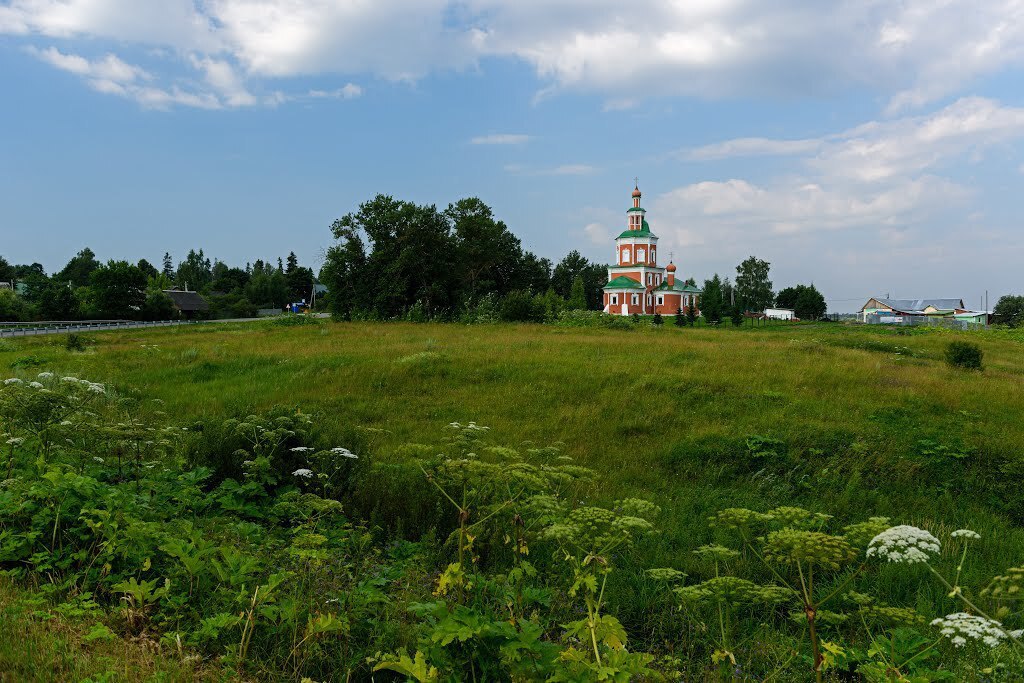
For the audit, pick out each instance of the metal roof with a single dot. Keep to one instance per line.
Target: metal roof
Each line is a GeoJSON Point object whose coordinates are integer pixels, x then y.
{"type": "Point", "coordinates": [910, 305]}
{"type": "Point", "coordinates": [187, 301]}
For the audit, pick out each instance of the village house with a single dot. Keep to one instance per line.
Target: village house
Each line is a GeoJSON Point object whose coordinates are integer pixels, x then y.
{"type": "Point", "coordinates": [896, 308]}
{"type": "Point", "coordinates": [188, 304]}
{"type": "Point", "coordinates": [636, 283]}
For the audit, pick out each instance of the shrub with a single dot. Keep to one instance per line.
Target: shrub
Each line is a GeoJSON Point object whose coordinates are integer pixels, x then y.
{"type": "Point", "coordinates": [657, 322]}
{"type": "Point", "coordinates": [74, 342]}
{"type": "Point", "coordinates": [967, 355]}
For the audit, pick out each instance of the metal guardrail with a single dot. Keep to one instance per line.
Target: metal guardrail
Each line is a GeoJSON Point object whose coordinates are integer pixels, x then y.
{"type": "Point", "coordinates": [67, 326]}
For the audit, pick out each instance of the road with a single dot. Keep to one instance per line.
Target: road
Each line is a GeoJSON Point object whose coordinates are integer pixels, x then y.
{"type": "Point", "coordinates": [28, 330]}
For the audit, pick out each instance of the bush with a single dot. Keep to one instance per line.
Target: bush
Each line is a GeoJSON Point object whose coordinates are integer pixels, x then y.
{"type": "Point", "coordinates": [522, 306]}
{"type": "Point", "coordinates": [965, 355]}
{"type": "Point", "coordinates": [74, 342]}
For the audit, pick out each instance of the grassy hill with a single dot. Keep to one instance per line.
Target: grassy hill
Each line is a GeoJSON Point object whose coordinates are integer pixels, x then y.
{"type": "Point", "coordinates": [853, 422]}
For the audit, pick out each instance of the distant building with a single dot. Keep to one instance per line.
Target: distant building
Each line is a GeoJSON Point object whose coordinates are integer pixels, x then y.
{"type": "Point", "coordinates": [7, 285]}
{"type": "Point", "coordinates": [780, 313]}
{"type": "Point", "coordinates": [636, 283]}
{"type": "Point", "coordinates": [898, 308]}
{"type": "Point", "coordinates": [188, 304]}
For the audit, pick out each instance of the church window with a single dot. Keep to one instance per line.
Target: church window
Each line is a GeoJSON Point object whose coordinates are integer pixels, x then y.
{"type": "Point", "coordinates": [640, 253]}
{"type": "Point", "coordinates": [635, 301]}
{"type": "Point", "coordinates": [625, 255]}
{"type": "Point", "coordinates": [615, 299]}
{"type": "Point", "coordinates": [661, 299]}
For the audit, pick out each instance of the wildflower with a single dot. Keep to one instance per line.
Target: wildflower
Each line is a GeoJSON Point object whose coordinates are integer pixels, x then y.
{"type": "Point", "coordinates": [302, 472]}
{"type": "Point", "coordinates": [301, 449]}
{"type": "Point", "coordinates": [15, 441]}
{"type": "Point", "coordinates": [13, 380]}
{"type": "Point", "coordinates": [65, 423]}
{"type": "Point", "coordinates": [69, 379]}
{"type": "Point", "coordinates": [966, 533]}
{"type": "Point", "coordinates": [36, 385]}
{"type": "Point", "coordinates": [98, 459]}
{"type": "Point", "coordinates": [903, 544]}
{"type": "Point", "coordinates": [666, 574]}
{"type": "Point", "coordinates": [96, 388]}
{"type": "Point", "coordinates": [45, 375]}
{"type": "Point", "coordinates": [960, 627]}
{"type": "Point", "coordinates": [344, 452]}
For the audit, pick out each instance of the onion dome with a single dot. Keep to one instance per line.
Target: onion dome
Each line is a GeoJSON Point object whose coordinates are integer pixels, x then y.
{"type": "Point", "coordinates": [670, 268]}
{"type": "Point", "coordinates": [636, 191]}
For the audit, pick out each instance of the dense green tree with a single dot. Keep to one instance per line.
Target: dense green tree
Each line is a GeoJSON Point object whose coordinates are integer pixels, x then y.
{"type": "Point", "coordinates": [736, 315]}
{"type": "Point", "coordinates": [409, 259]}
{"type": "Point", "coordinates": [147, 268]}
{"type": "Point", "coordinates": [577, 296]}
{"type": "Point", "coordinates": [805, 300]}
{"type": "Point", "coordinates": [488, 256]}
{"type": "Point", "coordinates": [753, 288]}
{"type": "Point", "coordinates": [58, 301]}
{"type": "Point", "coordinates": [79, 269]}
{"type": "Point", "coordinates": [712, 303]}
{"type": "Point", "coordinates": [118, 290]}
{"type": "Point", "coordinates": [1009, 310]}
{"type": "Point", "coordinates": [6, 271]}
{"type": "Point", "coordinates": [575, 265]}
{"type": "Point", "coordinates": [195, 272]}
{"type": "Point", "coordinates": [680, 319]}
{"type": "Point", "coordinates": [691, 314]}
{"type": "Point", "coordinates": [658, 321]}
{"type": "Point", "coordinates": [13, 308]}
{"type": "Point", "coordinates": [158, 306]}
{"type": "Point", "coordinates": [536, 272]}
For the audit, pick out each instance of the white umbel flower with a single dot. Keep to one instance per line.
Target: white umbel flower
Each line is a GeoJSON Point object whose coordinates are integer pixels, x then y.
{"type": "Point", "coordinates": [344, 452]}
{"type": "Point", "coordinates": [961, 627]}
{"type": "Point", "coordinates": [36, 385]}
{"type": "Point", "coordinates": [903, 544]}
{"type": "Point", "coordinates": [301, 449]}
{"type": "Point", "coordinates": [965, 533]}
{"type": "Point", "coordinates": [13, 380]}
{"type": "Point", "coordinates": [304, 473]}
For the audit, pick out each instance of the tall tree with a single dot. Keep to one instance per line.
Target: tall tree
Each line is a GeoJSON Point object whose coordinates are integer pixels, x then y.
{"type": "Point", "coordinates": [712, 303]}
{"type": "Point", "coordinates": [489, 256]}
{"type": "Point", "coordinates": [195, 272]}
{"type": "Point", "coordinates": [753, 288]}
{"type": "Point", "coordinates": [118, 290]}
{"type": "Point", "coordinates": [168, 268]}
{"type": "Point", "coordinates": [79, 268]}
{"type": "Point", "coordinates": [577, 297]}
{"type": "Point", "coordinates": [6, 270]}
{"type": "Point", "coordinates": [1009, 310]}
{"type": "Point", "coordinates": [576, 265]}
{"type": "Point", "coordinates": [147, 268]}
{"type": "Point", "coordinates": [58, 301]}
{"type": "Point", "coordinates": [805, 300]}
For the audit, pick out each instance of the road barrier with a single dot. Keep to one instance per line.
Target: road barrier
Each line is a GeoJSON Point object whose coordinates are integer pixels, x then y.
{"type": "Point", "coordinates": [67, 326]}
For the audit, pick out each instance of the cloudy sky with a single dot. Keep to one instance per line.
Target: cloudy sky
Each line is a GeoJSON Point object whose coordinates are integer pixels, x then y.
{"type": "Point", "coordinates": [870, 146]}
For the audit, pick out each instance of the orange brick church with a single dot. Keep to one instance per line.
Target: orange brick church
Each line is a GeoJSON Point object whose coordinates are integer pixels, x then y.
{"type": "Point", "coordinates": [636, 283]}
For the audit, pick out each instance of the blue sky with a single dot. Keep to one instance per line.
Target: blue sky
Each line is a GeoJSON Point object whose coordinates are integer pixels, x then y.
{"type": "Point", "coordinates": [870, 147]}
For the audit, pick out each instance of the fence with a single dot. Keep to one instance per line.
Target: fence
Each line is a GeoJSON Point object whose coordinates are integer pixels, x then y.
{"type": "Point", "coordinates": [66, 326]}
{"type": "Point", "coordinates": [922, 321]}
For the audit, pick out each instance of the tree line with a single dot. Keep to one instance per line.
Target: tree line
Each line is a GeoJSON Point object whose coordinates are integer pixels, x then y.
{"type": "Point", "coordinates": [86, 288]}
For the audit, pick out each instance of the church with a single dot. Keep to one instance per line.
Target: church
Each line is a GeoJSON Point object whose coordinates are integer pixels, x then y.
{"type": "Point", "coordinates": [636, 283]}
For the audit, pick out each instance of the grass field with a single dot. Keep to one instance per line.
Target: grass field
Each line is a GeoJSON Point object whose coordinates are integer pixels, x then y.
{"type": "Point", "coordinates": [849, 421]}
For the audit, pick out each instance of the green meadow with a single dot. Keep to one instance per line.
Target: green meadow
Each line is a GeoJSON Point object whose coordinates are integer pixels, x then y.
{"type": "Point", "coordinates": [849, 421]}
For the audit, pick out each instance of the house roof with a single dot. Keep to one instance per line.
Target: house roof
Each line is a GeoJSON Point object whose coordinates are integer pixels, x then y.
{"type": "Point", "coordinates": [623, 282]}
{"type": "Point", "coordinates": [911, 305]}
{"type": "Point", "coordinates": [644, 231]}
{"type": "Point", "coordinates": [677, 286]}
{"type": "Point", "coordinates": [187, 301]}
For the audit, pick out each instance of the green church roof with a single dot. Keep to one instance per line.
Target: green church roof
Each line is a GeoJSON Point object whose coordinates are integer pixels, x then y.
{"type": "Point", "coordinates": [644, 231]}
{"type": "Point", "coordinates": [623, 282]}
{"type": "Point", "coordinates": [679, 286]}
{"type": "Point", "coordinates": [636, 208]}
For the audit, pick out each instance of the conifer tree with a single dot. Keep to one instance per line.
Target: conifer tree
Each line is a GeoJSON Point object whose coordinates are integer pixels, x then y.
{"type": "Point", "coordinates": [657, 319]}
{"type": "Point", "coordinates": [578, 296]}
{"type": "Point", "coordinates": [691, 313]}
{"type": "Point", "coordinates": [680, 318]}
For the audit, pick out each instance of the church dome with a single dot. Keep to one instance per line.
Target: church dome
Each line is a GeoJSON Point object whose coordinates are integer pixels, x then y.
{"type": "Point", "coordinates": [670, 268]}
{"type": "Point", "coordinates": [636, 192]}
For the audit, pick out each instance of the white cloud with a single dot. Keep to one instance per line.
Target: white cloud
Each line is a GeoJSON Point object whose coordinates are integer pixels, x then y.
{"type": "Point", "coordinates": [750, 147]}
{"type": "Point", "coordinates": [912, 52]}
{"type": "Point", "coordinates": [500, 139]}
{"type": "Point", "coordinates": [597, 233]}
{"type": "Point", "coordinates": [349, 91]}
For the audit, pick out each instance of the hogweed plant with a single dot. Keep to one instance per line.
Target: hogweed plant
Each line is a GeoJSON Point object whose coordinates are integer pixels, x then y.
{"type": "Point", "coordinates": [813, 565]}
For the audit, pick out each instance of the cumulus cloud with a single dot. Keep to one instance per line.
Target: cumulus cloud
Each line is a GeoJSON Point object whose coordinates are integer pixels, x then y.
{"type": "Point", "coordinates": [500, 139]}
{"type": "Point", "coordinates": [886, 174]}
{"type": "Point", "coordinates": [913, 52]}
